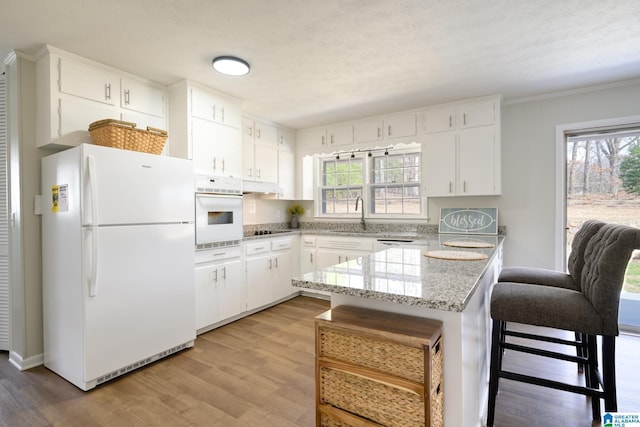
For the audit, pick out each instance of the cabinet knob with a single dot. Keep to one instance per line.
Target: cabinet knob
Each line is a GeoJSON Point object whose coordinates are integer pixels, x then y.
{"type": "Point", "coordinates": [126, 97]}
{"type": "Point", "coordinates": [107, 91]}
{"type": "Point", "coordinates": [389, 130]}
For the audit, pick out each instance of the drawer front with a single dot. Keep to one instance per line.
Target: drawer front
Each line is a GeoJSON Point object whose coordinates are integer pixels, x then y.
{"type": "Point", "coordinates": [217, 254]}
{"type": "Point", "coordinates": [372, 352]}
{"type": "Point", "coordinates": [258, 247]}
{"type": "Point", "coordinates": [308, 242]}
{"type": "Point", "coordinates": [374, 400]}
{"type": "Point", "coordinates": [281, 244]}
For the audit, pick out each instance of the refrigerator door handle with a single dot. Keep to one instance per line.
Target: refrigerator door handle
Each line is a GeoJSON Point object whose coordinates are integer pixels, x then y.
{"type": "Point", "coordinates": [93, 285]}
{"type": "Point", "coordinates": [93, 185]}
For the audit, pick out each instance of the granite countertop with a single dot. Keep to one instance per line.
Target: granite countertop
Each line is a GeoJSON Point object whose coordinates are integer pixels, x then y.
{"type": "Point", "coordinates": [402, 274]}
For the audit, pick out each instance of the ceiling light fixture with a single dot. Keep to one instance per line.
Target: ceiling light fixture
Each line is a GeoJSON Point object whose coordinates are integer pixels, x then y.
{"type": "Point", "coordinates": [230, 65]}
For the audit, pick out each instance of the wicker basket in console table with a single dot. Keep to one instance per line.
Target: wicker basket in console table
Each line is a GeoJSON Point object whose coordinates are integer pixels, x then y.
{"type": "Point", "coordinates": [376, 368]}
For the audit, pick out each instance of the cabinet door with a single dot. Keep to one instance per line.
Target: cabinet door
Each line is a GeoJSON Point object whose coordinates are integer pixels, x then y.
{"type": "Point", "coordinates": [312, 138]}
{"type": "Point", "coordinates": [143, 120]}
{"type": "Point", "coordinates": [286, 139]}
{"type": "Point", "coordinates": [286, 174]}
{"type": "Point", "coordinates": [326, 258]}
{"type": "Point", "coordinates": [142, 97]}
{"type": "Point", "coordinates": [368, 131]}
{"type": "Point", "coordinates": [283, 268]}
{"type": "Point", "coordinates": [306, 180]}
{"type": "Point", "coordinates": [266, 163]}
{"type": "Point", "coordinates": [265, 133]}
{"type": "Point", "coordinates": [400, 126]}
{"type": "Point", "coordinates": [232, 295]}
{"type": "Point", "coordinates": [216, 149]}
{"type": "Point", "coordinates": [481, 113]}
{"type": "Point", "coordinates": [439, 119]}
{"type": "Point", "coordinates": [248, 160]}
{"type": "Point", "coordinates": [476, 162]}
{"type": "Point", "coordinates": [307, 260]}
{"type": "Point", "coordinates": [259, 281]}
{"type": "Point", "coordinates": [206, 295]}
{"type": "Point", "coordinates": [440, 164]}
{"type": "Point", "coordinates": [340, 135]}
{"type": "Point", "coordinates": [88, 82]}
{"type": "Point", "coordinates": [74, 117]}
{"type": "Point", "coordinates": [215, 108]}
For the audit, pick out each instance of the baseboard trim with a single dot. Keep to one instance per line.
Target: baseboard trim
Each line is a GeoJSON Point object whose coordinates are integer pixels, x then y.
{"type": "Point", "coordinates": [23, 364]}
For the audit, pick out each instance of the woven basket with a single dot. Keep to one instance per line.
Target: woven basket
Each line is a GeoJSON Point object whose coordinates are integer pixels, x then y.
{"type": "Point", "coordinates": [372, 352]}
{"type": "Point", "coordinates": [373, 400]}
{"type": "Point", "coordinates": [124, 135]}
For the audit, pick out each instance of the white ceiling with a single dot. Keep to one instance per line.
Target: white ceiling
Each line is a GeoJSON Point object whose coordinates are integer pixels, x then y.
{"type": "Point", "coordinates": [320, 61]}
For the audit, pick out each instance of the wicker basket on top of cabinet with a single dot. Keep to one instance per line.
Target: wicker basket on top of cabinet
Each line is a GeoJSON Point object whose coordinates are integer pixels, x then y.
{"type": "Point", "coordinates": [376, 368]}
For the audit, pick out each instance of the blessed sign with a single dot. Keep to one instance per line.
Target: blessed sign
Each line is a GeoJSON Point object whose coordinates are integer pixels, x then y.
{"type": "Point", "coordinates": [469, 220]}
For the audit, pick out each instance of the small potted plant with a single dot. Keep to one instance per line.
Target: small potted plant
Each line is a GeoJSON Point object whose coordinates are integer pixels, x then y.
{"type": "Point", "coordinates": [295, 211]}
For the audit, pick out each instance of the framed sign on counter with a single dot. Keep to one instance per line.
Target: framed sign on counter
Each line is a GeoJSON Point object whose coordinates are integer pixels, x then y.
{"type": "Point", "coordinates": [468, 220]}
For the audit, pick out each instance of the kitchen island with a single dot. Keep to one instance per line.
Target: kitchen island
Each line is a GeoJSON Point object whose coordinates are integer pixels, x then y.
{"type": "Point", "coordinates": [401, 279]}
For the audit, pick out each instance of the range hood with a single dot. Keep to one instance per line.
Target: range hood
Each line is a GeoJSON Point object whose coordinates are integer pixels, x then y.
{"type": "Point", "coordinates": [260, 187]}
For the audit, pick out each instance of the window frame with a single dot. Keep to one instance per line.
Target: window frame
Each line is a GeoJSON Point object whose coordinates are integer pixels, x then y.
{"type": "Point", "coordinates": [368, 185]}
{"type": "Point", "coordinates": [351, 213]}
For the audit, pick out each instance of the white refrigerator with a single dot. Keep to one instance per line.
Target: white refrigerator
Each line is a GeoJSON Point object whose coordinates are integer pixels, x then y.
{"type": "Point", "coordinates": [118, 261]}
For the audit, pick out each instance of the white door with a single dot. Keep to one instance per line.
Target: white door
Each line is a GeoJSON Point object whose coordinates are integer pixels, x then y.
{"type": "Point", "coordinates": [259, 281]}
{"type": "Point", "coordinates": [135, 188]}
{"type": "Point", "coordinates": [144, 299]}
{"type": "Point", "coordinates": [596, 189]}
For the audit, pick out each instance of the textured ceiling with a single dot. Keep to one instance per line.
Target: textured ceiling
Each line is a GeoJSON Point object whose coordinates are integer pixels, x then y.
{"type": "Point", "coordinates": [320, 61]}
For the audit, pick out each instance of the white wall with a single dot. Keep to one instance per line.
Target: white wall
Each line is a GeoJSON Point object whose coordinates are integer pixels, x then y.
{"type": "Point", "coordinates": [528, 202]}
{"type": "Point", "coordinates": [257, 209]}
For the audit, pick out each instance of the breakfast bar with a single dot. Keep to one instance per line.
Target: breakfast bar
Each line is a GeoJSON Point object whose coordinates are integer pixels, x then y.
{"type": "Point", "coordinates": [437, 277]}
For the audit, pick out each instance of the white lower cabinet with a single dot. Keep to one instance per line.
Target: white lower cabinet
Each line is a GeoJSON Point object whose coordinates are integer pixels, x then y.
{"type": "Point", "coordinates": [220, 286]}
{"type": "Point", "coordinates": [308, 257]}
{"type": "Point", "coordinates": [269, 269]}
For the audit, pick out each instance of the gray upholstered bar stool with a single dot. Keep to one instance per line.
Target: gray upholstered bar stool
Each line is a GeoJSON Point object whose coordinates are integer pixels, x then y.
{"type": "Point", "coordinates": [560, 279]}
{"type": "Point", "coordinates": [591, 310]}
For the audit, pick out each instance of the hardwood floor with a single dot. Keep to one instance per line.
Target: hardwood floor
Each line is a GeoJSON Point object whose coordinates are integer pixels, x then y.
{"type": "Point", "coordinates": [258, 371]}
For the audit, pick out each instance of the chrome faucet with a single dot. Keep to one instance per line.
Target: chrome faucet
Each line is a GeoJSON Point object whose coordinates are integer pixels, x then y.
{"type": "Point", "coordinates": [362, 223]}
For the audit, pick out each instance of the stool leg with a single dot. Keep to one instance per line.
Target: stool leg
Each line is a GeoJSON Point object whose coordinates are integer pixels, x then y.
{"type": "Point", "coordinates": [609, 373]}
{"type": "Point", "coordinates": [591, 376]}
{"type": "Point", "coordinates": [494, 370]}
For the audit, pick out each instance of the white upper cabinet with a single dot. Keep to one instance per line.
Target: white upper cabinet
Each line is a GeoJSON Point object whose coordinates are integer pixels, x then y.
{"type": "Point", "coordinates": [208, 105]}
{"type": "Point", "coordinates": [400, 126]}
{"type": "Point", "coordinates": [340, 135]}
{"type": "Point", "coordinates": [462, 149]}
{"type": "Point", "coordinates": [259, 150]}
{"type": "Point", "coordinates": [439, 119]}
{"type": "Point", "coordinates": [286, 139]}
{"type": "Point", "coordinates": [259, 132]}
{"type": "Point", "coordinates": [216, 149]}
{"type": "Point", "coordinates": [142, 97]}
{"type": "Point", "coordinates": [205, 127]}
{"type": "Point", "coordinates": [460, 116]}
{"type": "Point", "coordinates": [87, 82]}
{"type": "Point", "coordinates": [368, 131]}
{"type": "Point", "coordinates": [73, 92]}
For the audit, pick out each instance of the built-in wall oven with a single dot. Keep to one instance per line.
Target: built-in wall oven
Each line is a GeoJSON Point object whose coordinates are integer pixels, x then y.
{"type": "Point", "coordinates": [218, 208]}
